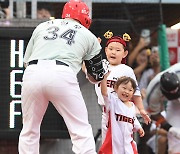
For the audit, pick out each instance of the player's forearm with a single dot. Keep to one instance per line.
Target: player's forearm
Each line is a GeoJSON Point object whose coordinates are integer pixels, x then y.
{"type": "Point", "coordinates": [161, 121]}
{"type": "Point", "coordinates": [88, 76]}
{"type": "Point", "coordinates": [91, 79]}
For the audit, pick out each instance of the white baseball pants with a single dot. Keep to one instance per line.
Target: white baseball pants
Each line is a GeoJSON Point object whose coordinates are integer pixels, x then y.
{"type": "Point", "coordinates": [44, 82]}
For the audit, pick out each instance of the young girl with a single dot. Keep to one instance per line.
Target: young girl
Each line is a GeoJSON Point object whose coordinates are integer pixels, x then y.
{"type": "Point", "coordinates": [116, 51]}
{"type": "Point", "coordinates": [122, 117]}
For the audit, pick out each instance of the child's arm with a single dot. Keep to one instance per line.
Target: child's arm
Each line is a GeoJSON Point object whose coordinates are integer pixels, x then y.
{"type": "Point", "coordinates": [139, 103]}
{"type": "Point", "coordinates": [141, 132]}
{"type": "Point", "coordinates": [137, 99]}
{"type": "Point", "coordinates": [138, 128]}
{"type": "Point", "coordinates": [104, 85]}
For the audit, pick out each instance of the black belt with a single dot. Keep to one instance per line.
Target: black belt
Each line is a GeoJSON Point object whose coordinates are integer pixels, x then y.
{"type": "Point", "coordinates": [57, 62]}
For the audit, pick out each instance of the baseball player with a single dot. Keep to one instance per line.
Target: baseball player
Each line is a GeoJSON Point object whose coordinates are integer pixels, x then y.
{"type": "Point", "coordinates": [116, 51]}
{"type": "Point", "coordinates": [53, 57]}
{"type": "Point", "coordinates": [122, 117]}
{"type": "Point", "coordinates": [165, 87]}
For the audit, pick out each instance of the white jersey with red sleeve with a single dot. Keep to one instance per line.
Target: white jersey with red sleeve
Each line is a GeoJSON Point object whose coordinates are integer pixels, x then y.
{"type": "Point", "coordinates": [119, 135]}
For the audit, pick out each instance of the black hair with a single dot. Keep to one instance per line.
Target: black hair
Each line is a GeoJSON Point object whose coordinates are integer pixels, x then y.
{"type": "Point", "coordinates": [125, 80]}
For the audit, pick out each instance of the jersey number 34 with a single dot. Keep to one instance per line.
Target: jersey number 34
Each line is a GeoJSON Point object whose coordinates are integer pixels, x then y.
{"type": "Point", "coordinates": [67, 35]}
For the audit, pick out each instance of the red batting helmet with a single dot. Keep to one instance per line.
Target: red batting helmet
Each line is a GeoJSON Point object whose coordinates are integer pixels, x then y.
{"type": "Point", "coordinates": [76, 9]}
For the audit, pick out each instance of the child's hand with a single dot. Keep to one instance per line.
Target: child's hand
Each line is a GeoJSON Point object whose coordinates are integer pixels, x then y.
{"type": "Point", "coordinates": [141, 132]}
{"type": "Point", "coordinates": [145, 116]}
{"type": "Point", "coordinates": [107, 74]}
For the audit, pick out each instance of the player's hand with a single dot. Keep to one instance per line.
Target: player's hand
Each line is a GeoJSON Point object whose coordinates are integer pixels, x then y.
{"type": "Point", "coordinates": [145, 116]}
{"type": "Point", "coordinates": [141, 132]}
{"type": "Point", "coordinates": [99, 39]}
{"type": "Point", "coordinates": [88, 76]}
{"type": "Point", "coordinates": [83, 67]}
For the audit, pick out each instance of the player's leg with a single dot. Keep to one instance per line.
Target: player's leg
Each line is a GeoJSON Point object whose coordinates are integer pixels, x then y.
{"type": "Point", "coordinates": [34, 106]}
{"type": "Point", "coordinates": [162, 145]}
{"type": "Point", "coordinates": [67, 99]}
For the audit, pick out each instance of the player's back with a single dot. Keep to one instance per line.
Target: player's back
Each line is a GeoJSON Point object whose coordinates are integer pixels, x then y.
{"type": "Point", "coordinates": [65, 40]}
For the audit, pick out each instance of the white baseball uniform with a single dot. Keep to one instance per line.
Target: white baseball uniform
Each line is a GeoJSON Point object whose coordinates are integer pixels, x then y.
{"type": "Point", "coordinates": [155, 101]}
{"type": "Point", "coordinates": [47, 79]}
{"type": "Point", "coordinates": [116, 72]}
{"type": "Point", "coordinates": [122, 121]}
